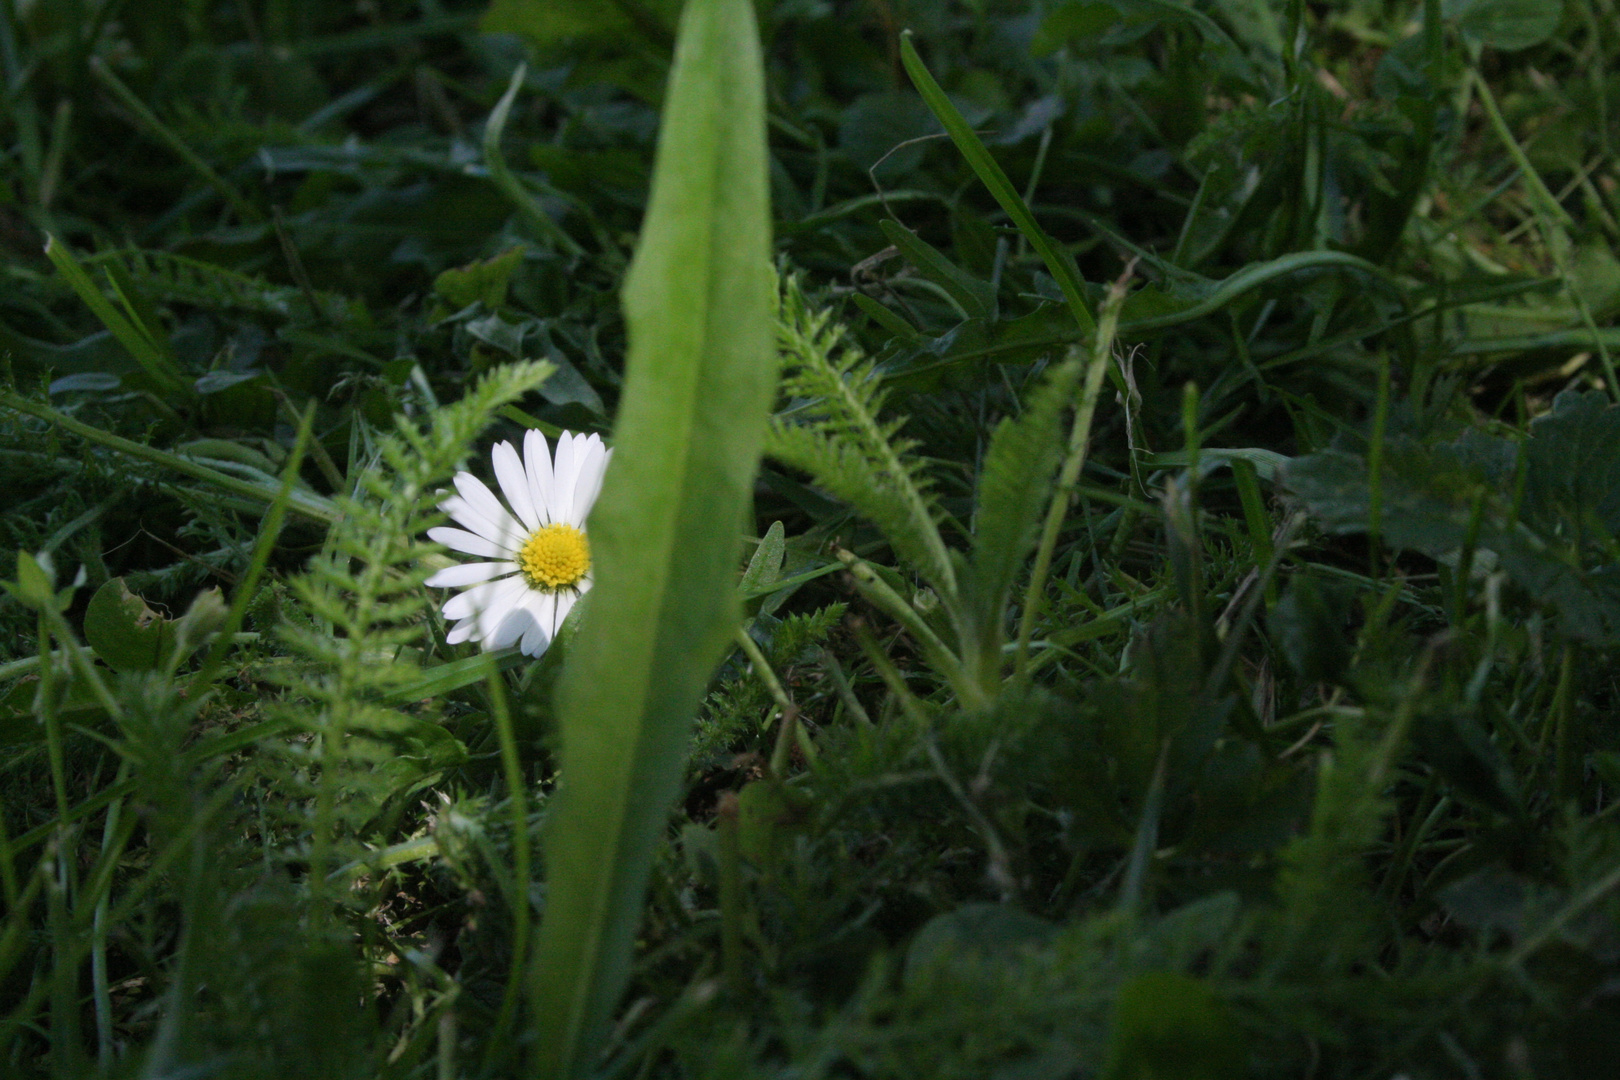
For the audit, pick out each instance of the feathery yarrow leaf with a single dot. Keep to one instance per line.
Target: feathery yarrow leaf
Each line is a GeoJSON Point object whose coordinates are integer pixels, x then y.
{"type": "Point", "coordinates": [366, 590]}
{"type": "Point", "coordinates": [1015, 483]}
{"type": "Point", "coordinates": [831, 430]}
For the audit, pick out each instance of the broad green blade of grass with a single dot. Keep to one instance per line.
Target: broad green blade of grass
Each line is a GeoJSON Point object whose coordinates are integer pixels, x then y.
{"type": "Point", "coordinates": [665, 532]}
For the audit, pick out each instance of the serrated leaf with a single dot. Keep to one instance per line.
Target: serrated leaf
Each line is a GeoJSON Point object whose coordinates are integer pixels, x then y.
{"type": "Point", "coordinates": [1562, 547]}
{"type": "Point", "coordinates": [1015, 484]}
{"type": "Point", "coordinates": [838, 438]}
{"type": "Point", "coordinates": [1308, 626]}
{"type": "Point", "coordinates": [1574, 463]}
{"type": "Point", "coordinates": [1473, 766]}
{"type": "Point", "coordinates": [699, 379]}
{"type": "Point", "coordinates": [881, 490]}
{"type": "Point", "coordinates": [1427, 493]}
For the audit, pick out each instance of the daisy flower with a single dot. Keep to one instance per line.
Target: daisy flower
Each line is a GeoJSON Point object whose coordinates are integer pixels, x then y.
{"type": "Point", "coordinates": [537, 539]}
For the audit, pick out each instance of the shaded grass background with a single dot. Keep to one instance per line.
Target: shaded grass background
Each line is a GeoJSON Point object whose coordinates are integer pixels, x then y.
{"type": "Point", "coordinates": [305, 207]}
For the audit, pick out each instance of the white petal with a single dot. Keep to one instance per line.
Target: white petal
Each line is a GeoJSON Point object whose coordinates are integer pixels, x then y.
{"type": "Point", "coordinates": [593, 459]}
{"type": "Point", "coordinates": [542, 608]}
{"type": "Point", "coordinates": [461, 631]}
{"type": "Point", "coordinates": [481, 598]}
{"type": "Point", "coordinates": [535, 640]}
{"type": "Point", "coordinates": [467, 543]}
{"type": "Point", "coordinates": [564, 474]}
{"type": "Point", "coordinates": [503, 530]}
{"type": "Point", "coordinates": [456, 577]}
{"type": "Point", "coordinates": [565, 604]}
{"type": "Point", "coordinates": [514, 481]}
{"type": "Point", "coordinates": [537, 460]}
{"type": "Point", "coordinates": [484, 502]}
{"type": "Point", "coordinates": [495, 621]}
{"type": "Point", "coordinates": [517, 624]}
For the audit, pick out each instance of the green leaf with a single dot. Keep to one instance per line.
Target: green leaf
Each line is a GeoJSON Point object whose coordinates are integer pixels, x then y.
{"type": "Point", "coordinates": [886, 132]}
{"type": "Point", "coordinates": [1506, 24]}
{"type": "Point", "coordinates": [1162, 705]}
{"type": "Point", "coordinates": [1308, 626]}
{"type": "Point", "coordinates": [549, 23]}
{"type": "Point", "coordinates": [700, 375]}
{"type": "Point", "coordinates": [1561, 545]}
{"type": "Point", "coordinates": [976, 298]}
{"type": "Point", "coordinates": [482, 282]}
{"type": "Point", "coordinates": [1473, 766]}
{"type": "Point", "coordinates": [766, 565]}
{"type": "Point", "coordinates": [1170, 1026]}
{"type": "Point", "coordinates": [1014, 486]}
{"type": "Point", "coordinates": [976, 931]}
{"type": "Point", "coordinates": [124, 632]}
{"type": "Point", "coordinates": [1427, 493]}
{"type": "Point", "coordinates": [1574, 464]}
{"type": "Point", "coordinates": [769, 814]}
{"type": "Point", "coordinates": [1265, 463]}
{"type": "Point", "coordinates": [1073, 23]}
{"type": "Point", "coordinates": [887, 319]}
{"type": "Point", "coordinates": [35, 581]}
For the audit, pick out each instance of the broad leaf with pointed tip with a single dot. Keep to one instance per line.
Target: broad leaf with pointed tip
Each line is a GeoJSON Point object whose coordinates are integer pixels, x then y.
{"type": "Point", "coordinates": [664, 535]}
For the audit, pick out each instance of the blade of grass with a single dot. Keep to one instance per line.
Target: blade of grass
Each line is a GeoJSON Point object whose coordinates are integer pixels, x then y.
{"type": "Point", "coordinates": [148, 119]}
{"type": "Point", "coordinates": [302, 501]}
{"type": "Point", "coordinates": [518, 805]}
{"type": "Point", "coordinates": [1554, 222]}
{"type": "Point", "coordinates": [269, 532]}
{"type": "Point", "coordinates": [991, 175]}
{"type": "Point", "coordinates": [157, 364]}
{"type": "Point", "coordinates": [506, 180]}
{"type": "Point", "coordinates": [665, 533]}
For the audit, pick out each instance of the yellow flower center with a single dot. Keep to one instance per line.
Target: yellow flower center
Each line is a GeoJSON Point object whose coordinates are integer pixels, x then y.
{"type": "Point", "coordinates": [555, 557]}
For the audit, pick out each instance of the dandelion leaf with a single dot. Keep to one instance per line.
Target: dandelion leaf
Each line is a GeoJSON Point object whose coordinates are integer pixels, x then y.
{"type": "Point", "coordinates": [1560, 545]}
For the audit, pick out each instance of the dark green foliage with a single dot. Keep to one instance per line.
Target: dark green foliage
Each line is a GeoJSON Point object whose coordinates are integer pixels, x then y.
{"type": "Point", "coordinates": [1548, 510]}
{"type": "Point", "coordinates": [1310, 767]}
